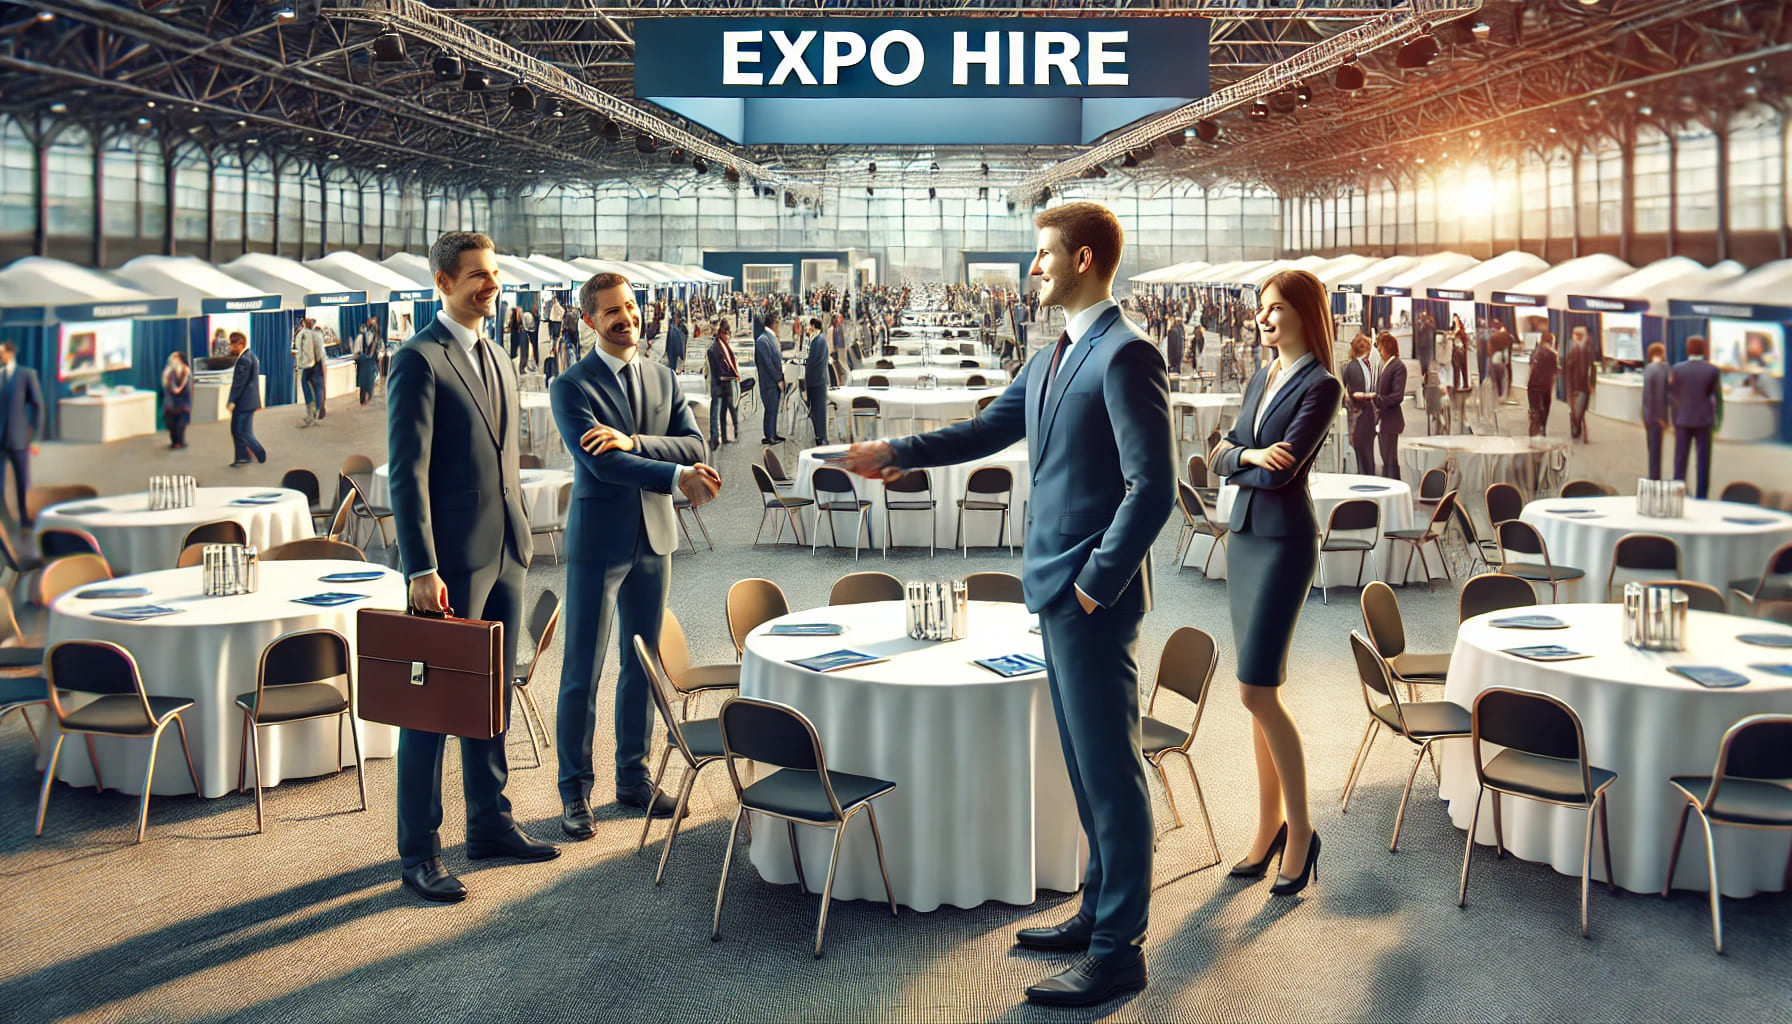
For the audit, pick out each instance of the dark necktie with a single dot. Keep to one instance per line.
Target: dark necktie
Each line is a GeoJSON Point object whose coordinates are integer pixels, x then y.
{"type": "Point", "coordinates": [629, 382]}
{"type": "Point", "coordinates": [488, 375]}
{"type": "Point", "coordinates": [1052, 374]}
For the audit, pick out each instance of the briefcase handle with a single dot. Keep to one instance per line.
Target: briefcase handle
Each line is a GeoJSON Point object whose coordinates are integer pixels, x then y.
{"type": "Point", "coordinates": [425, 614]}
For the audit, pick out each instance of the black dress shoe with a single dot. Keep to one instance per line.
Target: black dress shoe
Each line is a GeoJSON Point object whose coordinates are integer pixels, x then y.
{"type": "Point", "coordinates": [643, 795]}
{"type": "Point", "coordinates": [575, 819]}
{"type": "Point", "coordinates": [767, 442]}
{"type": "Point", "coordinates": [1090, 981]}
{"type": "Point", "coordinates": [515, 846]}
{"type": "Point", "coordinates": [1072, 934]}
{"type": "Point", "coordinates": [431, 880]}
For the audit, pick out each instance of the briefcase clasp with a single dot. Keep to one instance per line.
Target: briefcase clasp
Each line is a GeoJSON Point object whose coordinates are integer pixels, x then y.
{"type": "Point", "coordinates": [417, 673]}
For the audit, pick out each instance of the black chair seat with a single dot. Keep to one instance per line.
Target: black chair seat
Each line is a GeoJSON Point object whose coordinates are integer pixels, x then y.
{"type": "Point", "coordinates": [1775, 590]}
{"type": "Point", "coordinates": [1348, 544]}
{"type": "Point", "coordinates": [1412, 534]}
{"type": "Point", "coordinates": [704, 737]}
{"type": "Point", "coordinates": [377, 511]}
{"type": "Point", "coordinates": [295, 701]}
{"type": "Point", "coordinates": [844, 506]}
{"type": "Point", "coordinates": [1742, 801]}
{"type": "Point", "coordinates": [797, 794]}
{"type": "Point", "coordinates": [1421, 667]}
{"type": "Point", "coordinates": [909, 506]}
{"type": "Point", "coordinates": [974, 505]}
{"type": "Point", "coordinates": [709, 677]}
{"type": "Point", "coordinates": [1542, 573]}
{"type": "Point", "coordinates": [121, 714]}
{"type": "Point", "coordinates": [1211, 495]}
{"type": "Point", "coordinates": [782, 502]}
{"type": "Point", "coordinates": [1156, 736]}
{"type": "Point", "coordinates": [1428, 718]}
{"type": "Point", "coordinates": [1545, 778]}
{"type": "Point", "coordinates": [21, 657]}
{"type": "Point", "coordinates": [23, 690]}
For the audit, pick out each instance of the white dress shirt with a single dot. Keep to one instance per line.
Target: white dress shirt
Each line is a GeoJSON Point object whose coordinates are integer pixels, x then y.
{"type": "Point", "coordinates": [1275, 384]}
{"type": "Point", "coordinates": [1078, 326]}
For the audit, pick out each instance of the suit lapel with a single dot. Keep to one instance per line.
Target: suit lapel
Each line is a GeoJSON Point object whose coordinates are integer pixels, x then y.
{"type": "Point", "coordinates": [1247, 409]}
{"type": "Point", "coordinates": [1286, 391]}
{"type": "Point", "coordinates": [650, 406]}
{"type": "Point", "coordinates": [1067, 369]}
{"type": "Point", "coordinates": [469, 377]}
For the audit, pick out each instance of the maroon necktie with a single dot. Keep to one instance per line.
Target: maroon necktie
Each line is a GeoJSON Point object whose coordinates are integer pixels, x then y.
{"type": "Point", "coordinates": [1052, 374]}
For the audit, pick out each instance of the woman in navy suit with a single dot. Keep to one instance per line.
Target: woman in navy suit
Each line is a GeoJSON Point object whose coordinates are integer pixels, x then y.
{"type": "Point", "coordinates": [1273, 552]}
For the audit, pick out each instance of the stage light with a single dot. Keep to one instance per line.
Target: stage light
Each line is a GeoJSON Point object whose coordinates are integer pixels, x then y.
{"type": "Point", "coordinates": [1129, 161]}
{"type": "Point", "coordinates": [59, 108]}
{"type": "Point", "coordinates": [1207, 131]}
{"type": "Point", "coordinates": [45, 17]}
{"type": "Point", "coordinates": [1283, 101]}
{"type": "Point", "coordinates": [646, 143]}
{"type": "Point", "coordinates": [1419, 51]}
{"type": "Point", "coordinates": [612, 131]}
{"type": "Point", "coordinates": [285, 14]}
{"type": "Point", "coordinates": [388, 46]}
{"type": "Point", "coordinates": [1259, 111]}
{"type": "Point", "coordinates": [1481, 30]}
{"type": "Point", "coordinates": [1349, 77]}
{"type": "Point", "coordinates": [1303, 95]}
{"type": "Point", "coordinates": [932, 194]}
{"type": "Point", "coordinates": [522, 97]}
{"type": "Point", "coordinates": [1646, 110]}
{"type": "Point", "coordinates": [475, 80]}
{"type": "Point", "coordinates": [700, 165]}
{"type": "Point", "coordinates": [448, 67]}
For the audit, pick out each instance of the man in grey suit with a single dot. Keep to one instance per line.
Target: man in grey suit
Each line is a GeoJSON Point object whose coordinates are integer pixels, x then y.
{"type": "Point", "coordinates": [1095, 413]}
{"type": "Point", "coordinates": [244, 401]}
{"type": "Point", "coordinates": [1655, 404]}
{"type": "Point", "coordinates": [1174, 344]}
{"type": "Point", "coordinates": [463, 541]}
{"type": "Point", "coordinates": [1695, 390]}
{"type": "Point", "coordinates": [768, 364]}
{"type": "Point", "coordinates": [815, 380]}
{"type": "Point", "coordinates": [634, 444]}
{"type": "Point", "coordinates": [21, 421]}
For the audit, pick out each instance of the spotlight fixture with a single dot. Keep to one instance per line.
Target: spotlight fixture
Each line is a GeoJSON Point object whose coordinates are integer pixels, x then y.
{"type": "Point", "coordinates": [141, 121]}
{"type": "Point", "coordinates": [1349, 76]}
{"type": "Point", "coordinates": [1303, 95]}
{"type": "Point", "coordinates": [285, 14]}
{"type": "Point", "coordinates": [475, 80]}
{"type": "Point", "coordinates": [1481, 30]}
{"type": "Point", "coordinates": [1207, 131]}
{"type": "Point", "coordinates": [522, 97]}
{"type": "Point", "coordinates": [58, 108]}
{"type": "Point", "coordinates": [676, 155]}
{"type": "Point", "coordinates": [1129, 161]}
{"type": "Point", "coordinates": [612, 132]}
{"type": "Point", "coordinates": [871, 169]}
{"type": "Point", "coordinates": [448, 67]}
{"type": "Point", "coordinates": [1259, 111]}
{"type": "Point", "coordinates": [700, 165]}
{"type": "Point", "coordinates": [1283, 101]}
{"type": "Point", "coordinates": [983, 193]}
{"type": "Point", "coordinates": [388, 46]}
{"type": "Point", "coordinates": [646, 143]}
{"type": "Point", "coordinates": [1589, 3]}
{"type": "Point", "coordinates": [1418, 51]}
{"type": "Point", "coordinates": [1645, 110]}
{"type": "Point", "coordinates": [45, 17]}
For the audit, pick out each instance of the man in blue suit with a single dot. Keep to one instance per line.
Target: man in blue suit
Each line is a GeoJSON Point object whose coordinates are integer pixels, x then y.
{"type": "Point", "coordinates": [21, 421]}
{"type": "Point", "coordinates": [1095, 413]}
{"type": "Point", "coordinates": [768, 364]}
{"type": "Point", "coordinates": [634, 444]}
{"type": "Point", "coordinates": [1695, 387]}
{"type": "Point", "coordinates": [675, 340]}
{"type": "Point", "coordinates": [815, 381]}
{"type": "Point", "coordinates": [244, 399]}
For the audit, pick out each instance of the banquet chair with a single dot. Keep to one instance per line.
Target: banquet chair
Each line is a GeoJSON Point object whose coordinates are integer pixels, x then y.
{"type": "Point", "coordinates": [15, 653]}
{"type": "Point", "coordinates": [21, 694]}
{"type": "Point", "coordinates": [66, 574]}
{"type": "Point", "coordinates": [1431, 533]}
{"type": "Point", "coordinates": [529, 460]}
{"type": "Point", "coordinates": [1746, 789]}
{"type": "Point", "coordinates": [62, 541]}
{"type": "Point", "coordinates": [1518, 537]}
{"type": "Point", "coordinates": [1545, 760]}
{"type": "Point", "coordinates": [1493, 592]}
{"type": "Point", "coordinates": [191, 555]}
{"type": "Point", "coordinates": [750, 604]}
{"type": "Point", "coordinates": [305, 482]}
{"type": "Point", "coordinates": [803, 791]}
{"type": "Point", "coordinates": [699, 744]}
{"type": "Point", "coordinates": [544, 623]}
{"type": "Point", "coordinates": [1432, 487]}
{"type": "Point", "coordinates": [865, 587]}
{"type": "Point", "coordinates": [1700, 597]}
{"type": "Point", "coordinates": [680, 505]}
{"type": "Point", "coordinates": [1586, 489]}
{"type": "Point", "coordinates": [884, 364]}
{"type": "Point", "coordinates": [342, 521]}
{"type": "Point", "coordinates": [1480, 549]}
{"type": "Point", "coordinates": [976, 380]}
{"type": "Point", "coordinates": [771, 501]}
{"type": "Point", "coordinates": [1353, 525]}
{"type": "Point", "coordinates": [1504, 501]}
{"type": "Point", "coordinates": [294, 682]}
{"type": "Point", "coordinates": [865, 410]}
{"type": "Point", "coordinates": [993, 586]}
{"type": "Point", "coordinates": [982, 404]}
{"type": "Point", "coordinates": [1422, 723]}
{"type": "Point", "coordinates": [1742, 492]}
{"type": "Point", "coordinates": [121, 710]}
{"type": "Point", "coordinates": [1641, 558]}
{"type": "Point", "coordinates": [775, 468]}
{"type": "Point", "coordinates": [985, 481]}
{"type": "Point", "coordinates": [1774, 583]}
{"type": "Point", "coordinates": [1185, 669]}
{"type": "Point", "coordinates": [910, 484]}
{"type": "Point", "coordinates": [359, 471]}
{"type": "Point", "coordinates": [563, 508]}
{"type": "Point", "coordinates": [1387, 631]}
{"type": "Point", "coordinates": [690, 680]}
{"type": "Point", "coordinates": [1197, 519]}
{"type": "Point", "coordinates": [42, 496]}
{"type": "Point", "coordinates": [969, 364]}
{"type": "Point", "coordinates": [379, 515]}
{"type": "Point", "coordinates": [313, 548]}
{"type": "Point", "coordinates": [21, 566]}
{"type": "Point", "coordinates": [877, 380]}
{"type": "Point", "coordinates": [222, 531]}
{"type": "Point", "coordinates": [829, 480]}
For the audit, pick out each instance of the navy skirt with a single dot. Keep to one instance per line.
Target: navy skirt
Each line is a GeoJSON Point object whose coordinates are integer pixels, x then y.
{"type": "Point", "coordinates": [1267, 582]}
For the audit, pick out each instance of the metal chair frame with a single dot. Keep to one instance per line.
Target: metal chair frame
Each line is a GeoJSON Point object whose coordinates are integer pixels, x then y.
{"type": "Point", "coordinates": [930, 506]}
{"type": "Point", "coordinates": [772, 501]}
{"type": "Point", "coordinates": [1348, 507]}
{"type": "Point", "coordinates": [662, 690]}
{"type": "Point", "coordinates": [1382, 682]}
{"type": "Point", "coordinates": [1007, 508]}
{"type": "Point", "coordinates": [857, 506]}
{"type": "Point", "coordinates": [1432, 534]}
{"type": "Point", "coordinates": [1187, 634]}
{"type": "Point", "coordinates": [1519, 527]}
{"type": "Point", "coordinates": [544, 639]}
{"type": "Point", "coordinates": [252, 725]}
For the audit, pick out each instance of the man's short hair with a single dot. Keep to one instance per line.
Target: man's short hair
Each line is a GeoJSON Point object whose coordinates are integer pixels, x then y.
{"type": "Point", "coordinates": [1546, 338]}
{"type": "Point", "coordinates": [815, 322]}
{"type": "Point", "coordinates": [1387, 344]}
{"type": "Point", "coordinates": [444, 256]}
{"type": "Point", "coordinates": [1088, 224]}
{"type": "Point", "coordinates": [238, 338]}
{"type": "Point", "coordinates": [1657, 351]}
{"type": "Point", "coordinates": [771, 318]}
{"type": "Point", "coordinates": [7, 346]}
{"type": "Point", "coordinates": [1697, 346]}
{"type": "Point", "coordinates": [599, 283]}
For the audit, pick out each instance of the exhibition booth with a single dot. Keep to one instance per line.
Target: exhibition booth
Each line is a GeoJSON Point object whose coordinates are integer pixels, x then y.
{"type": "Point", "coordinates": [215, 306]}
{"type": "Point", "coordinates": [307, 297]}
{"type": "Point", "coordinates": [1745, 320]}
{"type": "Point", "coordinates": [399, 303]}
{"type": "Point", "coordinates": [1529, 307]}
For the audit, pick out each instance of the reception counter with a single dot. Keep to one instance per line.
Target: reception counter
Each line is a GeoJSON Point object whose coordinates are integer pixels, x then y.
{"type": "Point", "coordinates": [1748, 416]}
{"type": "Point", "coordinates": [211, 398]}
{"type": "Point", "coordinates": [106, 417]}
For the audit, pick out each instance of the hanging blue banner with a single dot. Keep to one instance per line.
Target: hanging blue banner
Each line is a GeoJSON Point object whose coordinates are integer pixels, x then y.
{"type": "Point", "coordinates": [335, 299]}
{"type": "Point", "coordinates": [1729, 311]}
{"type": "Point", "coordinates": [248, 304]}
{"type": "Point", "coordinates": [1595, 304]}
{"type": "Point", "coordinates": [1450, 294]}
{"type": "Point", "coordinates": [1519, 299]}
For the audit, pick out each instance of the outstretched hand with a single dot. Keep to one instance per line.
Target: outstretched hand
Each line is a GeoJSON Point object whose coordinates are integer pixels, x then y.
{"type": "Point", "coordinates": [873, 460]}
{"type": "Point", "coordinates": [700, 485]}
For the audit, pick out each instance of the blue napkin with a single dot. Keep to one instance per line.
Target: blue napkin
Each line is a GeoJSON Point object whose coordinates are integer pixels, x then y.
{"type": "Point", "coordinates": [1710, 676]}
{"type": "Point", "coordinates": [352, 577]}
{"type": "Point", "coordinates": [1572, 511]}
{"type": "Point", "coordinates": [137, 613]}
{"type": "Point", "coordinates": [270, 495]}
{"type": "Point", "coordinates": [330, 599]}
{"type": "Point", "coordinates": [1530, 622]}
{"type": "Point", "coordinates": [1369, 487]}
{"type": "Point", "coordinates": [1010, 665]}
{"type": "Point", "coordinates": [112, 593]}
{"type": "Point", "coordinates": [1547, 652]}
{"type": "Point", "coordinates": [1781, 669]}
{"type": "Point", "coordinates": [255, 501]}
{"type": "Point", "coordinates": [836, 660]}
{"type": "Point", "coordinates": [81, 510]}
{"type": "Point", "coordinates": [1750, 520]}
{"type": "Point", "coordinates": [1767, 639]}
{"type": "Point", "coordinates": [807, 629]}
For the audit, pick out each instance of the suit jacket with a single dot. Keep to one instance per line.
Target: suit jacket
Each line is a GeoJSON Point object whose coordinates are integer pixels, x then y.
{"type": "Point", "coordinates": [719, 370]}
{"type": "Point", "coordinates": [618, 494]}
{"type": "Point", "coordinates": [675, 346]}
{"type": "Point", "coordinates": [1693, 388]}
{"type": "Point", "coordinates": [1580, 366]}
{"type": "Point", "coordinates": [1103, 476]}
{"type": "Point", "coordinates": [815, 366]}
{"type": "Point", "coordinates": [1544, 364]}
{"type": "Point", "coordinates": [1276, 503]}
{"type": "Point", "coordinates": [23, 409]}
{"type": "Point", "coordinates": [1655, 392]}
{"type": "Point", "coordinates": [245, 382]}
{"type": "Point", "coordinates": [1390, 397]}
{"type": "Point", "coordinates": [455, 490]}
{"type": "Point", "coordinates": [1174, 345]}
{"type": "Point", "coordinates": [1362, 410]}
{"type": "Point", "coordinates": [768, 362]}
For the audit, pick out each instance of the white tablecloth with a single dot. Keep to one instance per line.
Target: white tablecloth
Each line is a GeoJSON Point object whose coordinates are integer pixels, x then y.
{"type": "Point", "coordinates": [539, 434]}
{"type": "Point", "coordinates": [936, 360]}
{"type": "Point", "coordinates": [937, 406]}
{"type": "Point", "coordinates": [108, 417]}
{"type": "Point", "coordinates": [209, 653]}
{"type": "Point", "coordinates": [982, 809]}
{"type": "Point", "coordinates": [932, 347]}
{"type": "Point", "coordinates": [1641, 721]}
{"type": "Point", "coordinates": [1712, 550]}
{"type": "Point", "coordinates": [540, 490]}
{"type": "Point", "coordinates": [946, 376]}
{"type": "Point", "coordinates": [911, 528]}
{"type": "Point", "coordinates": [135, 539]}
{"type": "Point", "coordinates": [339, 377]}
{"type": "Point", "coordinates": [1483, 459]}
{"type": "Point", "coordinates": [1327, 490]}
{"type": "Point", "coordinates": [1207, 410]}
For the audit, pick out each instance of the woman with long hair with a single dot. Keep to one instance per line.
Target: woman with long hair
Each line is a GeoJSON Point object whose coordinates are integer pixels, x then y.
{"type": "Point", "coordinates": [177, 398]}
{"type": "Point", "coordinates": [1273, 551]}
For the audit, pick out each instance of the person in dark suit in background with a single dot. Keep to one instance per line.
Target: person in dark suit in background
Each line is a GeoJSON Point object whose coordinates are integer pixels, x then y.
{"type": "Point", "coordinates": [1360, 404]}
{"type": "Point", "coordinates": [243, 401]}
{"type": "Point", "coordinates": [1542, 385]}
{"type": "Point", "coordinates": [1175, 343]}
{"type": "Point", "coordinates": [724, 376]}
{"type": "Point", "coordinates": [815, 380]}
{"type": "Point", "coordinates": [1389, 403]}
{"type": "Point", "coordinates": [1095, 412]}
{"type": "Point", "coordinates": [634, 444]}
{"type": "Point", "coordinates": [1656, 406]}
{"type": "Point", "coordinates": [1695, 391]}
{"type": "Point", "coordinates": [21, 421]}
{"type": "Point", "coordinates": [768, 365]}
{"type": "Point", "coordinates": [1580, 371]}
{"type": "Point", "coordinates": [1499, 359]}
{"type": "Point", "coordinates": [675, 343]}
{"type": "Point", "coordinates": [463, 542]}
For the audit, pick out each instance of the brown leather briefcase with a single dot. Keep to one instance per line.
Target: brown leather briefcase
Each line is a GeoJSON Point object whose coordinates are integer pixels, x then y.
{"type": "Point", "coordinates": [431, 673]}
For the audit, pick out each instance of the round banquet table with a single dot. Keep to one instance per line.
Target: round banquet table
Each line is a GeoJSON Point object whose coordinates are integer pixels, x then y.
{"type": "Point", "coordinates": [209, 653]}
{"type": "Point", "coordinates": [946, 375]}
{"type": "Point", "coordinates": [910, 528]}
{"type": "Point", "coordinates": [693, 383]}
{"type": "Point", "coordinates": [134, 539]}
{"type": "Point", "coordinates": [902, 362]}
{"type": "Point", "coordinates": [1327, 490]}
{"type": "Point", "coordinates": [982, 808]}
{"type": "Point", "coordinates": [1714, 547]}
{"type": "Point", "coordinates": [541, 488]}
{"type": "Point", "coordinates": [933, 347]}
{"type": "Point", "coordinates": [936, 405]}
{"type": "Point", "coordinates": [1528, 463]}
{"type": "Point", "coordinates": [1207, 410]}
{"type": "Point", "coordinates": [1641, 721]}
{"type": "Point", "coordinates": [539, 431]}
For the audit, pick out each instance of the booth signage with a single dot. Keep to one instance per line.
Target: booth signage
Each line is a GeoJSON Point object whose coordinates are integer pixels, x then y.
{"type": "Point", "coordinates": [417, 295]}
{"type": "Point", "coordinates": [147, 309]}
{"type": "Point", "coordinates": [1450, 294]}
{"type": "Point", "coordinates": [1730, 311]}
{"type": "Point", "coordinates": [1352, 289]}
{"type": "Point", "coordinates": [252, 304]}
{"type": "Point", "coordinates": [1594, 304]}
{"type": "Point", "coordinates": [842, 80]}
{"type": "Point", "coordinates": [335, 299]}
{"type": "Point", "coordinates": [1392, 291]}
{"type": "Point", "coordinates": [1519, 299]}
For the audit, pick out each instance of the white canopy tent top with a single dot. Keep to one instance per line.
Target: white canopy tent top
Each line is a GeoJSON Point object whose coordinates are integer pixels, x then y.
{"type": "Point", "coordinates": [1767, 285]}
{"type": "Point", "coordinates": [411, 267]}
{"type": "Point", "coordinates": [277, 275]}
{"type": "Point", "coordinates": [1371, 276]}
{"type": "Point", "coordinates": [1338, 267]}
{"type": "Point", "coordinates": [1430, 271]}
{"type": "Point", "coordinates": [190, 280]}
{"type": "Point", "coordinates": [1202, 273]}
{"type": "Point", "coordinates": [709, 276]}
{"type": "Point", "coordinates": [1581, 276]}
{"type": "Point", "coordinates": [1236, 272]}
{"type": "Point", "coordinates": [1676, 277]}
{"type": "Point", "coordinates": [677, 274]}
{"type": "Point", "coordinates": [1497, 274]}
{"type": "Point", "coordinates": [574, 276]}
{"type": "Point", "coordinates": [357, 271]}
{"type": "Point", "coordinates": [1170, 274]}
{"type": "Point", "coordinates": [1274, 267]}
{"type": "Point", "coordinates": [40, 281]}
{"type": "Point", "coordinates": [518, 271]}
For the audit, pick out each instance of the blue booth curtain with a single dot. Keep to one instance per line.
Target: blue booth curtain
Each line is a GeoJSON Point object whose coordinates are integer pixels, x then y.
{"type": "Point", "coordinates": [152, 342]}
{"type": "Point", "coordinates": [1678, 330]}
{"type": "Point", "coordinates": [423, 311]}
{"type": "Point", "coordinates": [270, 335]}
{"type": "Point", "coordinates": [1655, 332]}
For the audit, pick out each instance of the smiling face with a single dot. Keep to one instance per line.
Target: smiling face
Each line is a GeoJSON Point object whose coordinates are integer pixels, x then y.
{"type": "Point", "coordinates": [1278, 325]}
{"type": "Point", "coordinates": [1060, 271]}
{"type": "Point", "coordinates": [471, 293]}
{"type": "Point", "coordinates": [618, 320]}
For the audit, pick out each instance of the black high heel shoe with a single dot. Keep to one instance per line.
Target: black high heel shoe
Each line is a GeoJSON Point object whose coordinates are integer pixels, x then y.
{"type": "Point", "coordinates": [1256, 868]}
{"type": "Point", "coordinates": [1309, 872]}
